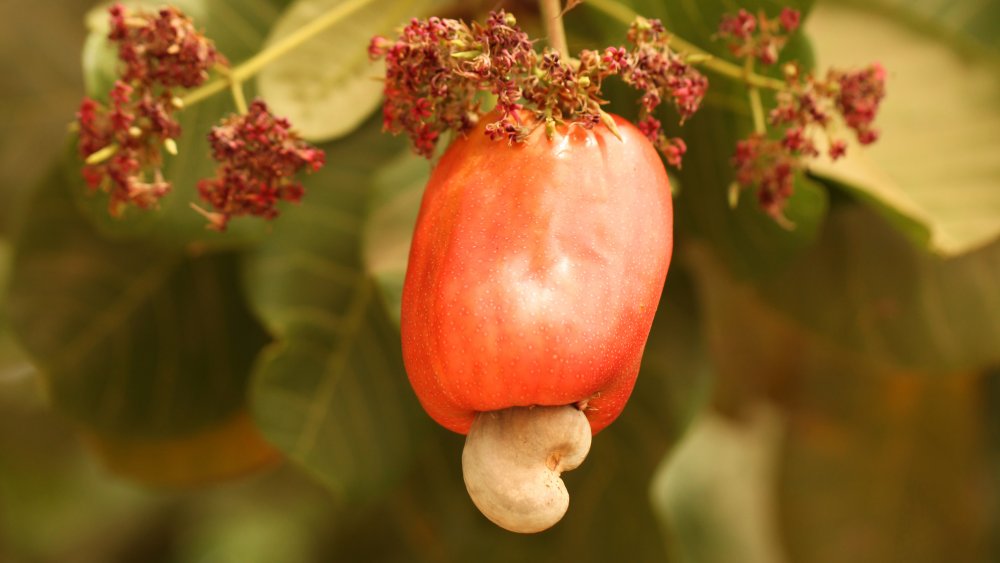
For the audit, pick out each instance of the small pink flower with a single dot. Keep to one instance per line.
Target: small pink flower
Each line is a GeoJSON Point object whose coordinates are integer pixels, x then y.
{"type": "Point", "coordinates": [740, 25]}
{"type": "Point", "coordinates": [673, 150]}
{"type": "Point", "coordinates": [838, 149]}
{"type": "Point", "coordinates": [758, 37]}
{"type": "Point", "coordinates": [768, 167]}
{"type": "Point", "coordinates": [789, 19]}
{"type": "Point", "coordinates": [131, 132]}
{"type": "Point", "coordinates": [616, 58]}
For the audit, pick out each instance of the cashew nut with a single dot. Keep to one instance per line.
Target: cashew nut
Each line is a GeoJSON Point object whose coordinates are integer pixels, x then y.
{"type": "Point", "coordinates": [512, 461]}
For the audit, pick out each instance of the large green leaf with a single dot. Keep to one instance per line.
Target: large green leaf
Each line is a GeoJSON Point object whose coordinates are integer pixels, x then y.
{"type": "Point", "coordinates": [333, 393]}
{"type": "Point", "coordinates": [716, 492]}
{"type": "Point", "coordinates": [148, 351]}
{"type": "Point", "coordinates": [935, 169]}
{"type": "Point", "coordinates": [13, 363]}
{"type": "Point", "coordinates": [238, 28]}
{"type": "Point", "coordinates": [327, 86]}
{"type": "Point", "coordinates": [395, 202]}
{"type": "Point", "coordinates": [875, 463]}
{"type": "Point", "coordinates": [867, 288]}
{"type": "Point", "coordinates": [41, 91]}
{"type": "Point", "coordinates": [135, 341]}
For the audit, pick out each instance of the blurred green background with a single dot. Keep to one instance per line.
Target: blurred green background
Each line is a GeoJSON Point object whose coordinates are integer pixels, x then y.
{"type": "Point", "coordinates": [823, 394]}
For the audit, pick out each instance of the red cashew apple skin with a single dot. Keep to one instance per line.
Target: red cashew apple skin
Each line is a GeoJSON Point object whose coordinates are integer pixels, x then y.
{"type": "Point", "coordinates": [535, 271]}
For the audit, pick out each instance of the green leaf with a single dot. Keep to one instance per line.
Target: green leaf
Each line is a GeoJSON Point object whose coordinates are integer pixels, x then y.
{"type": "Point", "coordinates": [13, 363]}
{"type": "Point", "coordinates": [41, 76]}
{"type": "Point", "coordinates": [282, 516]}
{"type": "Point", "coordinates": [865, 287]}
{"type": "Point", "coordinates": [134, 341]}
{"type": "Point", "coordinates": [333, 394]}
{"type": "Point", "coordinates": [874, 463]}
{"type": "Point", "coordinates": [238, 28]}
{"type": "Point", "coordinates": [395, 203]}
{"type": "Point", "coordinates": [715, 493]}
{"type": "Point", "coordinates": [327, 86]}
{"type": "Point", "coordinates": [934, 170]}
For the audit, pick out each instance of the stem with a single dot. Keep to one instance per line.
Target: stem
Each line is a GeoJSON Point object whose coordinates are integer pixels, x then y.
{"type": "Point", "coordinates": [239, 99]}
{"type": "Point", "coordinates": [248, 68]}
{"type": "Point", "coordinates": [204, 91]}
{"type": "Point", "coordinates": [722, 67]}
{"type": "Point", "coordinates": [756, 105]}
{"type": "Point", "coordinates": [552, 17]}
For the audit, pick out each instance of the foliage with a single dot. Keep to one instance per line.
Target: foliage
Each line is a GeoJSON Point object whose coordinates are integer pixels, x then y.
{"type": "Point", "coordinates": [840, 378]}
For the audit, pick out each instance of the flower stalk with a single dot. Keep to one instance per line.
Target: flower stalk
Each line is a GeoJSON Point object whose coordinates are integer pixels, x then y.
{"type": "Point", "coordinates": [553, 21]}
{"type": "Point", "coordinates": [756, 105]}
{"type": "Point", "coordinates": [250, 67]}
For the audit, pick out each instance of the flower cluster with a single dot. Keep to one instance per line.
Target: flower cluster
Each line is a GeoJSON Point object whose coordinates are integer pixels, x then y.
{"type": "Point", "coordinates": [259, 156]}
{"type": "Point", "coordinates": [858, 96]}
{"type": "Point", "coordinates": [437, 67]}
{"type": "Point", "coordinates": [812, 102]}
{"type": "Point", "coordinates": [769, 166]}
{"type": "Point", "coordinates": [758, 37]}
{"type": "Point", "coordinates": [121, 142]}
{"type": "Point", "coordinates": [654, 69]}
{"type": "Point", "coordinates": [807, 106]}
{"type": "Point", "coordinates": [163, 49]}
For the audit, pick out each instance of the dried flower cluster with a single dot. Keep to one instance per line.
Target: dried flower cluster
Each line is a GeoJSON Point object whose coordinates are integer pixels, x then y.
{"type": "Point", "coordinates": [768, 166]}
{"type": "Point", "coordinates": [259, 156]}
{"type": "Point", "coordinates": [857, 97]}
{"type": "Point", "coordinates": [654, 69]}
{"type": "Point", "coordinates": [808, 107]}
{"type": "Point", "coordinates": [805, 107]}
{"type": "Point", "coordinates": [811, 103]}
{"type": "Point", "coordinates": [163, 49]}
{"type": "Point", "coordinates": [437, 67]}
{"type": "Point", "coordinates": [122, 141]}
{"type": "Point", "coordinates": [758, 37]}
